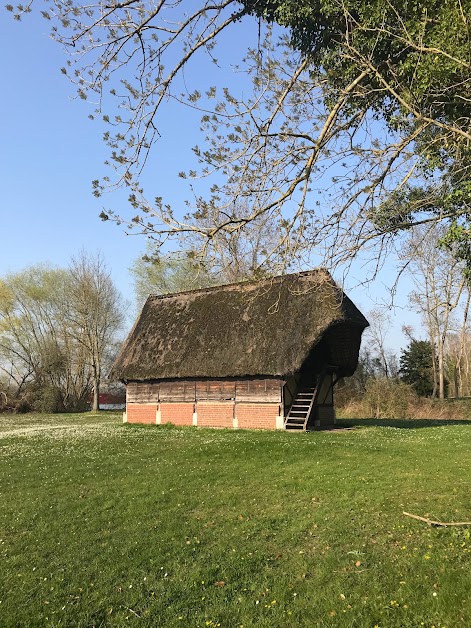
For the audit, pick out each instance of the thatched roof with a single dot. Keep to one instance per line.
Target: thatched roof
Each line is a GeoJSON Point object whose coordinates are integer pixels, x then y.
{"type": "Point", "coordinates": [267, 327]}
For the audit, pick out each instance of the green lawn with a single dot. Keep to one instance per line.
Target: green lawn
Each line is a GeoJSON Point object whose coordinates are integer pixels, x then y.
{"type": "Point", "coordinates": [104, 524]}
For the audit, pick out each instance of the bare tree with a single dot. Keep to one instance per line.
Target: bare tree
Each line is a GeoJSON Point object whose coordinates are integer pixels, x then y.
{"type": "Point", "coordinates": [94, 314]}
{"type": "Point", "coordinates": [440, 286]}
{"type": "Point", "coordinates": [166, 274]}
{"type": "Point", "coordinates": [236, 256]}
{"type": "Point", "coordinates": [377, 334]}
{"type": "Point", "coordinates": [458, 353]}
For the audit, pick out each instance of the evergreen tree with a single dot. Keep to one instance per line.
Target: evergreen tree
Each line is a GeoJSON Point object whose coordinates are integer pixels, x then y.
{"type": "Point", "coordinates": [416, 367]}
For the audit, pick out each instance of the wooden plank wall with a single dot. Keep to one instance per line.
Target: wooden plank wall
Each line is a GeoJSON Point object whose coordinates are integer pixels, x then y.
{"type": "Point", "coordinates": [141, 392]}
{"type": "Point", "coordinates": [215, 390]}
{"type": "Point", "coordinates": [263, 390]}
{"type": "Point", "coordinates": [254, 390]}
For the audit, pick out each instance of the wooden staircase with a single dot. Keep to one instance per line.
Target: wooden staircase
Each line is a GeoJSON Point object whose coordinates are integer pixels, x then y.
{"type": "Point", "coordinates": [299, 412]}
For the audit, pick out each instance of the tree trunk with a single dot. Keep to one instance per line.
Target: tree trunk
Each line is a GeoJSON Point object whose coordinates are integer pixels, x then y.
{"type": "Point", "coordinates": [434, 364]}
{"type": "Point", "coordinates": [441, 374]}
{"type": "Point", "coordinates": [96, 389]}
{"type": "Point", "coordinates": [96, 398]}
{"type": "Point", "coordinates": [461, 352]}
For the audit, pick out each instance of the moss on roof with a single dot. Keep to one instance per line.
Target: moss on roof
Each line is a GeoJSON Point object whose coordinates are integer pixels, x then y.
{"type": "Point", "coordinates": [266, 327]}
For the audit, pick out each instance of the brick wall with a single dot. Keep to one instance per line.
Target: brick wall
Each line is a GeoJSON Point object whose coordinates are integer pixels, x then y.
{"type": "Point", "coordinates": [257, 415]}
{"type": "Point", "coordinates": [210, 414]}
{"type": "Point", "coordinates": [177, 413]}
{"type": "Point", "coordinates": [215, 414]}
{"type": "Point", "coordinates": [141, 413]}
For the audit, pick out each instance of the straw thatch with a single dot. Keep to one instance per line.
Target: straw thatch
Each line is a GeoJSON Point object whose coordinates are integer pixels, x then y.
{"type": "Point", "coordinates": [270, 327]}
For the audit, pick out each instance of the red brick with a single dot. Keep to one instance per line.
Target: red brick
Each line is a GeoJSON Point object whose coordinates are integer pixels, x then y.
{"type": "Point", "coordinates": [177, 413]}
{"type": "Point", "coordinates": [141, 413]}
{"type": "Point", "coordinates": [257, 415]}
{"type": "Point", "coordinates": [214, 414]}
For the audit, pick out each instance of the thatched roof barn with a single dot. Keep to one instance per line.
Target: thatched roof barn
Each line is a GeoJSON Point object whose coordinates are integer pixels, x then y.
{"type": "Point", "coordinates": [287, 330]}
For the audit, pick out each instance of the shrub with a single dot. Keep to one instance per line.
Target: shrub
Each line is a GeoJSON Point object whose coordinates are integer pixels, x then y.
{"type": "Point", "coordinates": [48, 400]}
{"type": "Point", "coordinates": [388, 398]}
{"type": "Point", "coordinates": [348, 392]}
{"type": "Point", "coordinates": [22, 407]}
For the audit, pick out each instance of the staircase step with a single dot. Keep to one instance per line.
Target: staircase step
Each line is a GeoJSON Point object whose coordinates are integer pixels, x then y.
{"type": "Point", "coordinates": [298, 414]}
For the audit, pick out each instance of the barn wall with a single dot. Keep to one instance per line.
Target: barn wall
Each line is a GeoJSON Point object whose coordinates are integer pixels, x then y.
{"type": "Point", "coordinates": [141, 413]}
{"type": "Point", "coordinates": [250, 403]}
{"type": "Point", "coordinates": [177, 413]}
{"type": "Point", "coordinates": [325, 407]}
{"type": "Point", "coordinates": [215, 414]}
{"type": "Point", "coordinates": [262, 416]}
{"type": "Point", "coordinates": [325, 415]}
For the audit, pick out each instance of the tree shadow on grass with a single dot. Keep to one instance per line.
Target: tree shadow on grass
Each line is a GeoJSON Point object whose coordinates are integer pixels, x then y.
{"type": "Point", "coordinates": [400, 423]}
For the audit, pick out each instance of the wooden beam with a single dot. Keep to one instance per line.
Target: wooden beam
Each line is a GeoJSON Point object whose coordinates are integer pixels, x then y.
{"type": "Point", "coordinates": [442, 524]}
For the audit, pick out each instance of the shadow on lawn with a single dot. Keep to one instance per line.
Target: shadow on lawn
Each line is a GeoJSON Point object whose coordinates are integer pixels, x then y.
{"type": "Point", "coordinates": [400, 423]}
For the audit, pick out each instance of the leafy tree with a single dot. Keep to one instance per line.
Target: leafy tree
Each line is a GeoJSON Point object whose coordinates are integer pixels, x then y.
{"type": "Point", "coordinates": [32, 351]}
{"type": "Point", "coordinates": [414, 62]}
{"type": "Point", "coordinates": [56, 328]}
{"type": "Point", "coordinates": [416, 367]}
{"type": "Point", "coordinates": [366, 100]}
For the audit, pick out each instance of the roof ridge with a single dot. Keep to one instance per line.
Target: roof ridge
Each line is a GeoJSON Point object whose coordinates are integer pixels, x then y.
{"type": "Point", "coordinates": [302, 273]}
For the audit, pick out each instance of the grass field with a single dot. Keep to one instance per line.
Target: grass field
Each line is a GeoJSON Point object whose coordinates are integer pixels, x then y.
{"type": "Point", "coordinates": [104, 524]}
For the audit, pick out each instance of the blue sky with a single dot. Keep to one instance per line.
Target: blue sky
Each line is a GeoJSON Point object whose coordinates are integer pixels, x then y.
{"type": "Point", "coordinates": [51, 152]}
